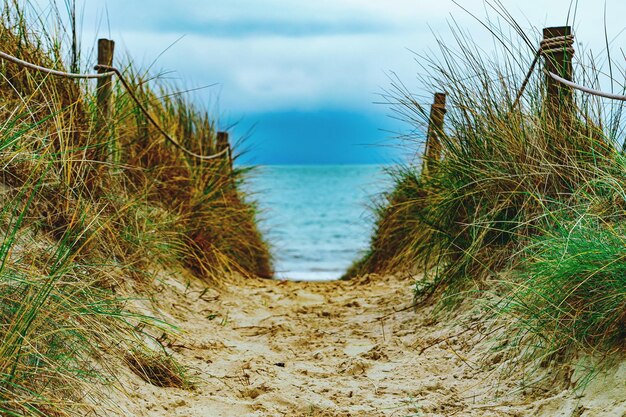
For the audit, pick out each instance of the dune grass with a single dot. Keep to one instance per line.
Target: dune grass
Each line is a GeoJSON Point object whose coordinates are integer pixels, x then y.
{"type": "Point", "coordinates": [572, 290]}
{"type": "Point", "coordinates": [509, 194]}
{"type": "Point", "coordinates": [88, 216]}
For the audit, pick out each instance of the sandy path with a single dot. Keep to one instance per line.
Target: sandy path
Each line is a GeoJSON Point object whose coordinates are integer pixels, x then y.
{"type": "Point", "coordinates": [269, 348]}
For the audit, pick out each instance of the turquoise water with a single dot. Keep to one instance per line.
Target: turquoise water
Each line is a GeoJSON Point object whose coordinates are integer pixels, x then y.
{"type": "Point", "coordinates": [317, 218]}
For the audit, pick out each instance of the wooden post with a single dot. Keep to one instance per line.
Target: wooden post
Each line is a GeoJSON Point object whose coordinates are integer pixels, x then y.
{"type": "Point", "coordinates": [432, 154]}
{"type": "Point", "coordinates": [223, 143]}
{"type": "Point", "coordinates": [103, 96]}
{"type": "Point", "coordinates": [558, 61]}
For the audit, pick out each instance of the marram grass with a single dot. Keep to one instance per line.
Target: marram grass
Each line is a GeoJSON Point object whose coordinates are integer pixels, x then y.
{"type": "Point", "coordinates": [503, 196]}
{"type": "Point", "coordinates": [81, 235]}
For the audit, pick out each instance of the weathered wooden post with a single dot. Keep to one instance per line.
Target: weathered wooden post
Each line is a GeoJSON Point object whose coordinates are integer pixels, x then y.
{"type": "Point", "coordinates": [432, 154]}
{"type": "Point", "coordinates": [558, 51]}
{"type": "Point", "coordinates": [223, 143]}
{"type": "Point", "coordinates": [104, 91]}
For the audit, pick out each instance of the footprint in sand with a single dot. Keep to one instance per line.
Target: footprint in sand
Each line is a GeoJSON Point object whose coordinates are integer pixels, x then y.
{"type": "Point", "coordinates": [354, 367]}
{"type": "Point", "coordinates": [376, 353]}
{"type": "Point", "coordinates": [254, 392]}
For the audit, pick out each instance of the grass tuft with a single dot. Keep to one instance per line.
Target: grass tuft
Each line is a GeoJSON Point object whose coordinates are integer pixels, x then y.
{"type": "Point", "coordinates": [572, 291]}
{"type": "Point", "coordinates": [160, 370]}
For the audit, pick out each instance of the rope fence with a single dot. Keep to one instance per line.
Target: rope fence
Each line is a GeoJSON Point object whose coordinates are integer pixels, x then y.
{"type": "Point", "coordinates": [557, 48]}
{"type": "Point", "coordinates": [562, 44]}
{"type": "Point", "coordinates": [557, 42]}
{"type": "Point", "coordinates": [110, 71]}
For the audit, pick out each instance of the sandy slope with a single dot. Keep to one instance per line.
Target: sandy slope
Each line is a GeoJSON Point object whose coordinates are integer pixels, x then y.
{"type": "Point", "coordinates": [269, 348]}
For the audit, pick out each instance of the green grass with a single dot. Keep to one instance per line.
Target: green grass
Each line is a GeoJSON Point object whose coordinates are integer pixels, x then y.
{"type": "Point", "coordinates": [572, 291]}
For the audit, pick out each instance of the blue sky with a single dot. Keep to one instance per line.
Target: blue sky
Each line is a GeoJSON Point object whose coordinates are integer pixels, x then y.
{"type": "Point", "coordinates": [306, 73]}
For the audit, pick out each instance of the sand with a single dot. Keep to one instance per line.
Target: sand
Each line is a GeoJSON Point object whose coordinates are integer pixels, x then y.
{"type": "Point", "coordinates": [276, 348]}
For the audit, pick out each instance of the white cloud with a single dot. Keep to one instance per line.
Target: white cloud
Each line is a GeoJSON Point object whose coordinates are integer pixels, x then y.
{"type": "Point", "coordinates": [272, 73]}
{"type": "Point", "coordinates": [332, 62]}
{"type": "Point", "coordinates": [396, 12]}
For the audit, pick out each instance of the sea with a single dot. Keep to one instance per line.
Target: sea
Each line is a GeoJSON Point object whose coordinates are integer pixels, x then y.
{"type": "Point", "coordinates": [318, 219]}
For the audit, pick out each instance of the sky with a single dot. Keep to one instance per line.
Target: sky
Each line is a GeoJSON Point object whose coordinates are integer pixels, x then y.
{"type": "Point", "coordinates": [304, 77]}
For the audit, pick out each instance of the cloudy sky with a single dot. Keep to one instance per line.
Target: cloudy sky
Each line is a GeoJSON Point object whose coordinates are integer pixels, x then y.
{"type": "Point", "coordinates": [307, 73]}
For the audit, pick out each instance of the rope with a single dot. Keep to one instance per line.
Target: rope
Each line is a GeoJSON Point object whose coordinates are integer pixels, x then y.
{"type": "Point", "coordinates": [110, 71]}
{"type": "Point", "coordinates": [18, 61]}
{"type": "Point", "coordinates": [151, 119]}
{"type": "Point", "coordinates": [557, 44]}
{"type": "Point", "coordinates": [586, 89]}
{"type": "Point", "coordinates": [547, 46]}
